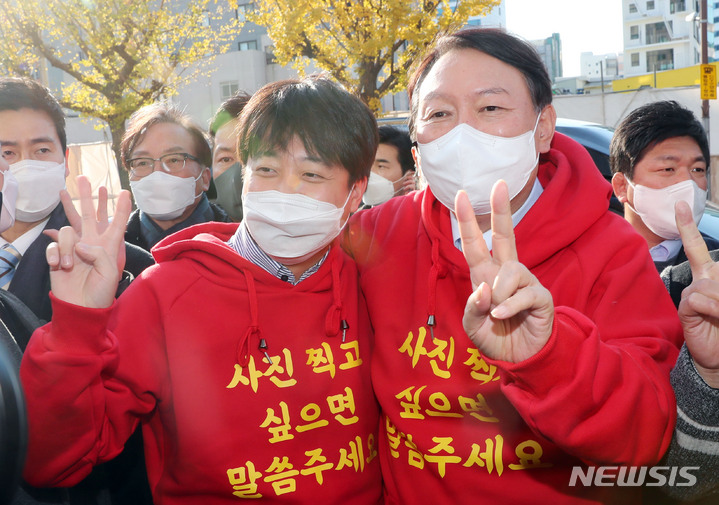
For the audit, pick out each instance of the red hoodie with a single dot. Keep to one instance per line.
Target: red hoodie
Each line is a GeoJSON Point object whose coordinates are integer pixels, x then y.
{"type": "Point", "coordinates": [462, 428]}
{"type": "Point", "coordinates": [179, 352]}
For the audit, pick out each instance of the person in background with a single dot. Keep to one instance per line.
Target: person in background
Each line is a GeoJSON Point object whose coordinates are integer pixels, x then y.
{"type": "Point", "coordinates": [169, 159]}
{"type": "Point", "coordinates": [244, 353]}
{"type": "Point", "coordinates": [33, 142]}
{"type": "Point", "coordinates": [659, 155]}
{"type": "Point", "coordinates": [695, 377]}
{"type": "Point", "coordinates": [521, 329]}
{"type": "Point", "coordinates": [226, 169]}
{"type": "Point", "coordinates": [393, 168]}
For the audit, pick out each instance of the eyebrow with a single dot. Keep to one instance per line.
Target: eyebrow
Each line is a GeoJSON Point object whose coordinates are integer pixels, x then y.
{"type": "Point", "coordinates": [671, 157]}
{"type": "Point", "coordinates": [169, 150]}
{"type": "Point", "coordinates": [479, 92]}
{"type": "Point", "coordinates": [273, 154]}
{"type": "Point", "coordinates": [381, 160]}
{"type": "Point", "coordinates": [38, 140]}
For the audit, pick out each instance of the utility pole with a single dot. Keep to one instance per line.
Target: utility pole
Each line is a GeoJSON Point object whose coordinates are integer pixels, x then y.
{"type": "Point", "coordinates": [705, 60]}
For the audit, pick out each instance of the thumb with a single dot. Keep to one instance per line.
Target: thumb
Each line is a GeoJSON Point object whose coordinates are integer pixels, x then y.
{"type": "Point", "coordinates": [477, 308]}
{"type": "Point", "coordinates": [694, 246]}
{"type": "Point", "coordinates": [98, 258]}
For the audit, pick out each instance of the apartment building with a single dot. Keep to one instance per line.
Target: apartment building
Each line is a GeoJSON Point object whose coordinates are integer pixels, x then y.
{"type": "Point", "coordinates": [663, 35]}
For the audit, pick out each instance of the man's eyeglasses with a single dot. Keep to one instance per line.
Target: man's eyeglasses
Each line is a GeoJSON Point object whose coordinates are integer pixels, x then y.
{"type": "Point", "coordinates": [171, 163]}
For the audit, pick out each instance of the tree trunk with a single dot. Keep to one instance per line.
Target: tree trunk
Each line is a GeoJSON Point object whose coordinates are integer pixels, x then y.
{"type": "Point", "coordinates": [117, 130]}
{"type": "Point", "coordinates": [368, 87]}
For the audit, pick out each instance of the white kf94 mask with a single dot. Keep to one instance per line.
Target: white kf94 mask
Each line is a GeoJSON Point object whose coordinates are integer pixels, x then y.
{"type": "Point", "coordinates": [291, 226]}
{"type": "Point", "coordinates": [39, 186]}
{"type": "Point", "coordinates": [656, 206]}
{"type": "Point", "coordinates": [468, 159]}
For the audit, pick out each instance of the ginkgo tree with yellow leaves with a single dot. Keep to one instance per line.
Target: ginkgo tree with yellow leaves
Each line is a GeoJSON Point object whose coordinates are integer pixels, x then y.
{"type": "Point", "coordinates": [118, 55]}
{"type": "Point", "coordinates": [367, 45]}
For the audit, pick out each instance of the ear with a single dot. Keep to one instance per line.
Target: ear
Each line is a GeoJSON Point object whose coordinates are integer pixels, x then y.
{"type": "Point", "coordinates": [620, 185]}
{"type": "Point", "coordinates": [417, 159]}
{"type": "Point", "coordinates": [545, 129]}
{"type": "Point", "coordinates": [206, 176]}
{"type": "Point", "coordinates": [355, 197]}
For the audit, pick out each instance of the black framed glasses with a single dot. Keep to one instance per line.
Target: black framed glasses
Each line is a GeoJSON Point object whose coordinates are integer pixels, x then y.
{"type": "Point", "coordinates": [171, 163]}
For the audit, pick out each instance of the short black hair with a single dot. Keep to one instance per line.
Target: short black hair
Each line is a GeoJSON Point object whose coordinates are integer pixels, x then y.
{"type": "Point", "coordinates": [400, 139]}
{"type": "Point", "coordinates": [647, 126]}
{"type": "Point", "coordinates": [23, 93]}
{"type": "Point", "coordinates": [496, 43]}
{"type": "Point", "coordinates": [332, 124]}
{"type": "Point", "coordinates": [229, 110]}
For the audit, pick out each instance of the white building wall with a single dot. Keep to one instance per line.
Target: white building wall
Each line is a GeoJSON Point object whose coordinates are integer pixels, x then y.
{"type": "Point", "coordinates": [594, 66]}
{"type": "Point", "coordinates": [682, 37]}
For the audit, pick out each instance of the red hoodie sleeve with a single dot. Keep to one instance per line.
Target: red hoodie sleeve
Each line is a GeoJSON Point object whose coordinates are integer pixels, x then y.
{"type": "Point", "coordinates": [600, 387]}
{"type": "Point", "coordinates": [81, 404]}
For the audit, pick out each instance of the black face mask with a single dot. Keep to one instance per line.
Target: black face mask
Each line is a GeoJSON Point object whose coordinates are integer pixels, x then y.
{"type": "Point", "coordinates": [229, 191]}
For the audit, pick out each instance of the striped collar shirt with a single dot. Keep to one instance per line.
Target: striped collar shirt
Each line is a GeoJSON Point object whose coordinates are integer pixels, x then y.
{"type": "Point", "coordinates": [245, 245]}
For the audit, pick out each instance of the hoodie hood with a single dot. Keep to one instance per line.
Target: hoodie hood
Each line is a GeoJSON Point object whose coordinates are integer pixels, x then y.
{"type": "Point", "coordinates": [205, 245]}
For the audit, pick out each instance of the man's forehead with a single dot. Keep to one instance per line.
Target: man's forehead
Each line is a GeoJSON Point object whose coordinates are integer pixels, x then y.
{"type": "Point", "coordinates": [28, 126]}
{"type": "Point", "coordinates": [32, 140]}
{"type": "Point", "coordinates": [482, 73]}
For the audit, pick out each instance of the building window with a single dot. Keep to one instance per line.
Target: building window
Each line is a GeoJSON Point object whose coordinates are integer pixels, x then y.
{"type": "Point", "coordinates": [270, 55]}
{"type": "Point", "coordinates": [660, 60]}
{"type": "Point", "coordinates": [632, 8]}
{"type": "Point", "coordinates": [228, 88]}
{"type": "Point", "coordinates": [242, 10]}
{"type": "Point", "coordinates": [246, 46]}
{"type": "Point", "coordinates": [635, 59]}
{"type": "Point", "coordinates": [634, 32]}
{"type": "Point", "coordinates": [650, 5]}
{"type": "Point", "coordinates": [657, 33]}
{"type": "Point", "coordinates": [677, 6]}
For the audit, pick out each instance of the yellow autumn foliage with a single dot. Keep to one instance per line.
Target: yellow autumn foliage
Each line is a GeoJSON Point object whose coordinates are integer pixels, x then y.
{"type": "Point", "coordinates": [367, 45]}
{"type": "Point", "coordinates": [117, 55]}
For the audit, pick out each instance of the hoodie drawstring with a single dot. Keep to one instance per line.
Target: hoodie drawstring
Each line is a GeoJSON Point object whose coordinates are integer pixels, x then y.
{"type": "Point", "coordinates": [334, 321]}
{"type": "Point", "coordinates": [243, 346]}
{"type": "Point", "coordinates": [434, 273]}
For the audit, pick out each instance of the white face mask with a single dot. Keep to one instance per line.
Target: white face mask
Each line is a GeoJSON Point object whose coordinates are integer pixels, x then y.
{"type": "Point", "coordinates": [9, 199]}
{"type": "Point", "coordinates": [656, 206]}
{"type": "Point", "coordinates": [289, 226]}
{"type": "Point", "coordinates": [163, 196]}
{"type": "Point", "coordinates": [469, 159]}
{"type": "Point", "coordinates": [379, 189]}
{"type": "Point", "coordinates": [39, 186]}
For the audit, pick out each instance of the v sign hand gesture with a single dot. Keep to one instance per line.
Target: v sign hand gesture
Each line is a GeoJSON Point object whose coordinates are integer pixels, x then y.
{"type": "Point", "coordinates": [699, 308]}
{"type": "Point", "coordinates": [509, 315]}
{"type": "Point", "coordinates": [86, 264]}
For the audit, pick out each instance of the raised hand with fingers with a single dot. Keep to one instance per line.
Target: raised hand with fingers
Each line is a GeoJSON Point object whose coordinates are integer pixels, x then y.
{"type": "Point", "coordinates": [509, 315]}
{"type": "Point", "coordinates": [87, 258]}
{"type": "Point", "coordinates": [699, 307]}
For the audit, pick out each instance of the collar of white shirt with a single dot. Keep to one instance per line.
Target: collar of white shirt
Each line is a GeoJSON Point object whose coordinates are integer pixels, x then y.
{"type": "Point", "coordinates": [516, 217]}
{"type": "Point", "coordinates": [665, 251]}
{"type": "Point", "coordinates": [23, 242]}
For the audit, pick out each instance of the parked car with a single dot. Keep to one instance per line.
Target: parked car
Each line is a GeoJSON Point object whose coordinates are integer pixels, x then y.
{"type": "Point", "coordinates": [596, 139]}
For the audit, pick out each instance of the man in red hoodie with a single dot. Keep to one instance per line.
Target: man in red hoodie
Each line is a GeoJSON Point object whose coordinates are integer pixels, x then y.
{"type": "Point", "coordinates": [244, 353]}
{"type": "Point", "coordinates": [523, 339]}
